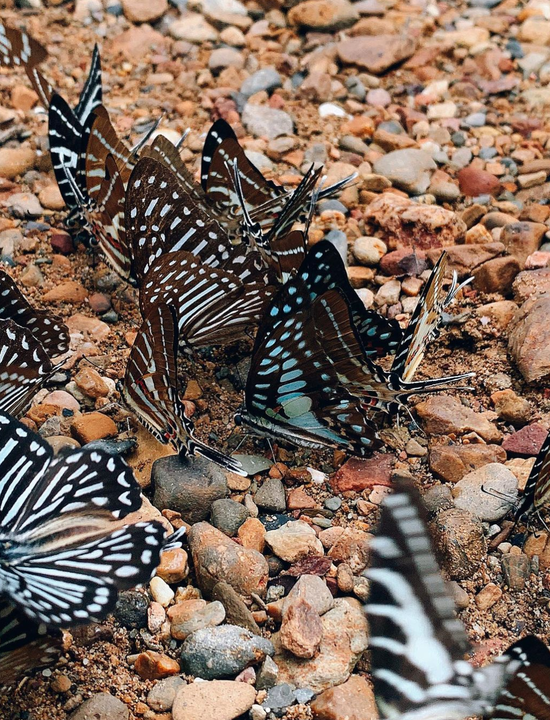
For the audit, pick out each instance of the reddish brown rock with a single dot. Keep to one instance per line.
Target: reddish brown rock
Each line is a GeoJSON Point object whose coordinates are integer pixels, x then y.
{"type": "Point", "coordinates": [465, 258]}
{"type": "Point", "coordinates": [62, 242]}
{"type": "Point", "coordinates": [353, 700]}
{"type": "Point", "coordinates": [143, 11]}
{"type": "Point", "coordinates": [152, 665]}
{"type": "Point", "coordinates": [522, 238]}
{"type": "Point", "coordinates": [404, 261]}
{"type": "Point", "coordinates": [488, 596]}
{"type": "Point", "coordinates": [90, 382]}
{"type": "Point", "coordinates": [15, 161]}
{"type": "Point", "coordinates": [90, 327]}
{"type": "Point", "coordinates": [529, 338]}
{"type": "Point", "coordinates": [298, 499]}
{"type": "Point", "coordinates": [496, 275]}
{"type": "Point", "coordinates": [93, 426]}
{"type": "Point", "coordinates": [376, 54]}
{"type": "Point", "coordinates": [352, 548]}
{"type": "Point", "coordinates": [99, 302]}
{"type": "Point", "coordinates": [357, 474]}
{"type": "Point", "coordinates": [70, 292]}
{"type": "Point", "coordinates": [301, 629]}
{"type": "Point", "coordinates": [527, 441]}
{"type": "Point", "coordinates": [445, 415]}
{"type": "Point", "coordinates": [460, 541]}
{"type": "Point", "coordinates": [252, 534]}
{"type": "Point", "coordinates": [453, 462]}
{"type": "Point", "coordinates": [23, 98]}
{"type": "Point", "coordinates": [473, 182]}
{"type": "Point", "coordinates": [173, 566]}
{"type": "Point", "coordinates": [136, 42]}
{"type": "Point", "coordinates": [511, 407]}
{"type": "Point", "coordinates": [534, 282]}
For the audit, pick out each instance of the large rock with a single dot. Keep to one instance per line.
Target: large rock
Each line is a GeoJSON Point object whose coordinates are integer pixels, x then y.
{"type": "Point", "coordinates": [405, 223]}
{"type": "Point", "coordinates": [187, 486]}
{"type": "Point", "coordinates": [530, 283]}
{"type": "Point", "coordinates": [376, 53]}
{"type": "Point", "coordinates": [529, 339]}
{"type": "Point", "coordinates": [460, 541]}
{"type": "Point", "coordinates": [344, 640]}
{"type": "Point", "coordinates": [223, 651]}
{"type": "Point", "coordinates": [488, 492]}
{"type": "Point", "coordinates": [445, 415]}
{"type": "Point", "coordinates": [215, 700]}
{"type": "Point", "coordinates": [102, 706]}
{"type": "Point", "coordinates": [452, 462]}
{"type": "Point", "coordinates": [409, 169]}
{"type": "Point", "coordinates": [216, 557]}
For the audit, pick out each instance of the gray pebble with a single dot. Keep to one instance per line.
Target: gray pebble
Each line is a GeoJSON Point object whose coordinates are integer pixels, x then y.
{"type": "Point", "coordinates": [279, 698]}
{"type": "Point", "coordinates": [333, 503]}
{"type": "Point", "coordinates": [265, 121]}
{"type": "Point", "coordinates": [131, 609]}
{"type": "Point", "coordinates": [265, 79]}
{"type": "Point", "coordinates": [228, 515]}
{"type": "Point", "coordinates": [340, 241]}
{"type": "Point", "coordinates": [271, 496]}
{"type": "Point", "coordinates": [161, 697]}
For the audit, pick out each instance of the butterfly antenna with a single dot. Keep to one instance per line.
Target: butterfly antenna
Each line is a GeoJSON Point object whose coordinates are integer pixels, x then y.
{"type": "Point", "coordinates": [182, 138]}
{"type": "Point", "coordinates": [270, 445]}
{"type": "Point", "coordinates": [137, 147]}
{"type": "Point", "coordinates": [513, 502]}
{"type": "Point", "coordinates": [253, 229]}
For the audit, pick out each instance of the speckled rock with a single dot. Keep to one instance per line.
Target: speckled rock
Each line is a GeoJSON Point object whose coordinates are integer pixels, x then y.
{"type": "Point", "coordinates": [223, 651]}
{"type": "Point", "coordinates": [267, 122]}
{"type": "Point", "coordinates": [101, 706]}
{"type": "Point", "coordinates": [323, 15]}
{"type": "Point", "coordinates": [228, 515]}
{"type": "Point", "coordinates": [375, 53]}
{"type": "Point", "coordinates": [460, 541]}
{"type": "Point", "coordinates": [144, 11]}
{"type": "Point", "coordinates": [353, 700]}
{"type": "Point", "coordinates": [443, 415]}
{"type": "Point", "coordinates": [215, 700]}
{"type": "Point", "coordinates": [409, 169]}
{"type": "Point", "coordinates": [487, 492]}
{"type": "Point", "coordinates": [294, 541]}
{"type": "Point", "coordinates": [452, 462]}
{"type": "Point", "coordinates": [162, 696]}
{"type": "Point", "coordinates": [529, 338]}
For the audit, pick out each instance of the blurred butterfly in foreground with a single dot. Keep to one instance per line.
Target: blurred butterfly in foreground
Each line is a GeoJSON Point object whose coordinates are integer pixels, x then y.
{"type": "Point", "coordinates": [418, 644]}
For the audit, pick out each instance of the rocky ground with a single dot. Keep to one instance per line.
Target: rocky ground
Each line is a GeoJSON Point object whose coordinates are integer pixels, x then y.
{"type": "Point", "coordinates": [440, 109]}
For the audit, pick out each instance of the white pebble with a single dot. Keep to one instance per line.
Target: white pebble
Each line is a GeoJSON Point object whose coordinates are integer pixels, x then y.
{"type": "Point", "coordinates": [161, 592]}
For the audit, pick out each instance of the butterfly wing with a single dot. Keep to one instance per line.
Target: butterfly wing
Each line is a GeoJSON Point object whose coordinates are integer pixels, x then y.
{"type": "Point", "coordinates": [536, 493]}
{"type": "Point", "coordinates": [65, 133]}
{"type": "Point", "coordinates": [18, 49]}
{"type": "Point", "coordinates": [48, 329]}
{"type": "Point", "coordinates": [92, 93]}
{"type": "Point", "coordinates": [25, 646]}
{"type": "Point", "coordinates": [40, 85]}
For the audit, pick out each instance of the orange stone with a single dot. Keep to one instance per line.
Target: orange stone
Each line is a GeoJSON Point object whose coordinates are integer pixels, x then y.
{"type": "Point", "coordinates": [40, 413]}
{"type": "Point", "coordinates": [93, 426]}
{"type": "Point", "coordinates": [152, 665]}
{"type": "Point", "coordinates": [70, 291]}
{"type": "Point", "coordinates": [173, 566]}
{"type": "Point", "coordinates": [23, 98]}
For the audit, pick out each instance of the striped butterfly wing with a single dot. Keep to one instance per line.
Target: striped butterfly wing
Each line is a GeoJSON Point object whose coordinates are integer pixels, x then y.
{"type": "Point", "coordinates": [151, 388]}
{"type": "Point", "coordinates": [107, 221]}
{"type": "Point", "coordinates": [292, 391]}
{"type": "Point", "coordinates": [92, 92]}
{"type": "Point", "coordinates": [526, 695]}
{"type": "Point", "coordinates": [24, 367]}
{"type": "Point", "coordinates": [212, 306]}
{"type": "Point", "coordinates": [65, 133]}
{"type": "Point", "coordinates": [47, 329]}
{"type": "Point", "coordinates": [40, 85]}
{"type": "Point", "coordinates": [25, 646]}
{"type": "Point", "coordinates": [417, 642]}
{"type": "Point", "coordinates": [18, 49]}
{"type": "Point", "coordinates": [536, 494]}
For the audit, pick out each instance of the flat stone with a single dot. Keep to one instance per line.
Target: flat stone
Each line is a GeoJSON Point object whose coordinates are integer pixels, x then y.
{"type": "Point", "coordinates": [16, 161]}
{"type": "Point", "coordinates": [101, 706]}
{"type": "Point", "coordinates": [353, 700]}
{"type": "Point", "coordinates": [460, 540]}
{"type": "Point", "coordinates": [188, 487]}
{"type": "Point", "coordinates": [193, 28]}
{"type": "Point", "coordinates": [409, 169]}
{"type": "Point", "coordinates": [473, 182]}
{"type": "Point", "coordinates": [214, 700]}
{"type": "Point", "coordinates": [216, 557]}
{"type": "Point", "coordinates": [323, 15]}
{"type": "Point", "coordinates": [375, 53]}
{"type": "Point", "coordinates": [516, 570]}
{"type": "Point", "coordinates": [69, 292]}
{"type": "Point", "coordinates": [314, 591]}
{"type": "Point", "coordinates": [301, 630]}
{"type": "Point", "coordinates": [488, 492]}
{"type": "Point", "coordinates": [24, 205]}
{"type": "Point", "coordinates": [236, 610]}
{"type": "Point", "coordinates": [453, 462]}
{"type": "Point", "coordinates": [294, 541]}
{"type": "Point", "coordinates": [526, 442]}
{"type": "Point", "coordinates": [218, 652]}
{"type": "Point", "coordinates": [271, 496]}
{"type": "Point", "coordinates": [144, 11]}
{"type": "Point", "coordinates": [444, 415]}
{"type": "Point", "coordinates": [161, 697]}
{"type": "Point", "coordinates": [268, 122]}
{"type": "Point", "coordinates": [265, 79]}
{"type": "Point", "coordinates": [228, 515]}
{"type": "Point", "coordinates": [152, 665]}
{"type": "Point", "coordinates": [93, 426]}
{"type": "Point", "coordinates": [529, 338]}
{"type": "Point", "coordinates": [206, 616]}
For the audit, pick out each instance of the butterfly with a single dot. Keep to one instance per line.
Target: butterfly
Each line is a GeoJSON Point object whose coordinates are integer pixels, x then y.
{"type": "Point", "coordinates": [150, 388]}
{"type": "Point", "coordinates": [536, 494]}
{"type": "Point", "coordinates": [418, 644]}
{"type": "Point", "coordinates": [64, 553]}
{"type": "Point", "coordinates": [17, 48]}
{"type": "Point", "coordinates": [24, 645]}
{"type": "Point", "coordinates": [292, 390]}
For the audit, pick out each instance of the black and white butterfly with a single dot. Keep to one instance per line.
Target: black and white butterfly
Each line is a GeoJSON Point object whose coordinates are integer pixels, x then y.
{"type": "Point", "coordinates": [64, 552]}
{"type": "Point", "coordinates": [536, 495]}
{"type": "Point", "coordinates": [19, 49]}
{"type": "Point", "coordinates": [418, 644]}
{"type": "Point", "coordinates": [151, 388]}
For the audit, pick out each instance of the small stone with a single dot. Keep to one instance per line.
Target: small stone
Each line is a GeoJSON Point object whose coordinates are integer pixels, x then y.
{"type": "Point", "coordinates": [511, 407]}
{"type": "Point", "coordinates": [228, 515]}
{"type": "Point", "coordinates": [444, 415]}
{"type": "Point", "coordinates": [252, 534]}
{"type": "Point", "coordinates": [31, 276]}
{"type": "Point", "coordinates": [90, 382]}
{"type": "Point", "coordinates": [409, 169]}
{"type": "Point", "coordinates": [359, 474]}
{"type": "Point", "coordinates": [209, 615]}
{"type": "Point", "coordinates": [301, 629]}
{"type": "Point", "coordinates": [323, 15]}
{"type": "Point", "coordinates": [236, 610]}
{"type": "Point", "coordinates": [62, 242]}
{"type": "Point", "coordinates": [188, 487]}
{"type": "Point", "coordinates": [460, 541]}
{"type": "Point", "coordinates": [101, 706]}
{"type": "Point", "coordinates": [267, 122]}
{"type": "Point", "coordinates": [267, 675]}
{"type": "Point", "coordinates": [314, 591]}
{"type": "Point", "coordinates": [271, 496]}
{"type": "Point", "coordinates": [161, 591]}
{"type": "Point", "coordinates": [173, 566]}
{"type": "Point", "coordinates": [24, 206]}
{"type": "Point", "coordinates": [353, 700]}
{"type": "Point", "coordinates": [16, 161]}
{"type": "Point", "coordinates": [279, 698]}
{"type": "Point", "coordinates": [162, 696]}
{"type": "Point", "coordinates": [222, 651]}
{"type": "Point", "coordinates": [294, 541]}
{"type": "Point", "coordinates": [152, 665]}
{"type": "Point", "coordinates": [69, 292]}
{"type": "Point", "coordinates": [100, 303]}
{"type": "Point", "coordinates": [50, 197]}
{"type": "Point", "coordinates": [388, 294]}
{"type": "Point", "coordinates": [216, 557]}
{"type": "Point", "coordinates": [61, 684]}
{"type": "Point", "coordinates": [215, 700]}
{"type": "Point", "coordinates": [516, 570]}
{"type": "Point", "coordinates": [375, 53]}
{"type": "Point", "coordinates": [369, 250]}
{"type": "Point", "coordinates": [352, 548]}
{"type": "Point", "coordinates": [23, 98]}
{"type": "Point", "coordinates": [225, 57]}
{"type": "Point", "coordinates": [193, 28]}
{"type": "Point", "coordinates": [131, 609]}
{"type": "Point", "coordinates": [93, 426]}
{"type": "Point", "coordinates": [156, 616]}
{"type": "Point", "coordinates": [378, 97]}
{"type": "Point", "coordinates": [487, 492]}
{"type": "Point", "coordinates": [526, 442]}
{"type": "Point", "coordinates": [235, 38]}
{"type": "Point", "coordinates": [265, 79]}
{"type": "Point", "coordinates": [453, 462]}
{"type": "Point", "coordinates": [474, 182]}
{"type": "Point", "coordinates": [488, 596]}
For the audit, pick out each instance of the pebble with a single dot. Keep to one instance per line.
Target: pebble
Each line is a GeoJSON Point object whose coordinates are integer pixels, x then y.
{"type": "Point", "coordinates": [453, 462]}
{"type": "Point", "coordinates": [161, 697]}
{"type": "Point", "coordinates": [193, 28]}
{"type": "Point", "coordinates": [358, 474]}
{"type": "Point", "coordinates": [473, 182]}
{"type": "Point", "coordinates": [267, 674]}
{"type": "Point", "coordinates": [294, 541]}
{"type": "Point", "coordinates": [301, 630]}
{"type": "Point", "coordinates": [16, 161]}
{"type": "Point", "coordinates": [352, 700]}
{"type": "Point", "coordinates": [151, 665]}
{"type": "Point", "coordinates": [526, 442]}
{"type": "Point", "coordinates": [516, 570]}
{"type": "Point", "coordinates": [144, 11]}
{"type": "Point", "coordinates": [214, 700]}
{"type": "Point", "coordinates": [62, 242]}
{"type": "Point", "coordinates": [445, 415]}
{"type": "Point", "coordinates": [225, 57]}
{"type": "Point", "coordinates": [265, 79]}
{"type": "Point", "coordinates": [161, 591]}
{"type": "Point", "coordinates": [279, 698]}
{"type": "Point", "coordinates": [252, 534]}
{"type": "Point", "coordinates": [93, 426]}
{"type": "Point", "coordinates": [24, 206]}
{"type": "Point", "coordinates": [271, 496]}
{"type": "Point", "coordinates": [529, 338]}
{"type": "Point", "coordinates": [188, 487]}
{"type": "Point", "coordinates": [344, 640]}
{"type": "Point", "coordinates": [236, 610]}
{"type": "Point", "coordinates": [131, 609]}
{"type": "Point", "coordinates": [408, 169]}
{"type": "Point", "coordinates": [101, 706]}
{"type": "Point", "coordinates": [228, 515]}
{"type": "Point", "coordinates": [474, 492]}
{"type": "Point", "coordinates": [511, 407]}
{"type": "Point", "coordinates": [460, 541]}
{"type": "Point", "coordinates": [388, 294]}
{"type": "Point", "coordinates": [31, 276]}
{"type": "Point", "coordinates": [267, 122]}
{"type": "Point", "coordinates": [323, 15]}
{"type": "Point", "coordinates": [340, 242]}
{"type": "Point", "coordinates": [369, 250]}
{"type": "Point", "coordinates": [90, 382]}
{"type": "Point", "coordinates": [488, 596]}
{"type": "Point", "coordinates": [375, 53]}
{"type": "Point", "coordinates": [378, 97]}
{"type": "Point", "coordinates": [23, 98]}
{"type": "Point", "coordinates": [216, 557]}
{"type": "Point", "coordinates": [218, 652]}
{"type": "Point", "coordinates": [208, 615]}
{"type": "Point", "coordinates": [70, 291]}
{"type": "Point", "coordinates": [50, 198]}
